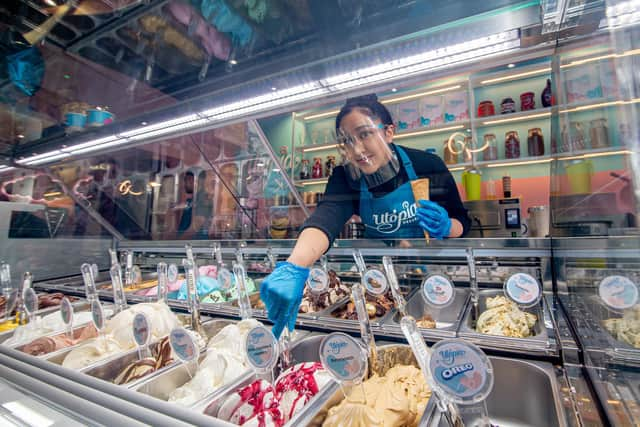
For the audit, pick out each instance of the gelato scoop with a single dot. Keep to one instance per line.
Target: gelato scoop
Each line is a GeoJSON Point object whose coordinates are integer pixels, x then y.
{"type": "Point", "coordinates": [162, 356]}
{"type": "Point", "coordinates": [396, 399]}
{"type": "Point", "coordinates": [313, 302]}
{"type": "Point", "coordinates": [224, 361]}
{"type": "Point", "coordinates": [260, 404]}
{"type": "Point", "coordinates": [503, 317]}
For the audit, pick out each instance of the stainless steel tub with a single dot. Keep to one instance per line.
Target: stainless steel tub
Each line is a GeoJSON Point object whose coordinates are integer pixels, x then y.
{"type": "Point", "coordinates": [447, 319]}
{"type": "Point", "coordinates": [305, 350]}
{"type": "Point", "coordinates": [510, 404]}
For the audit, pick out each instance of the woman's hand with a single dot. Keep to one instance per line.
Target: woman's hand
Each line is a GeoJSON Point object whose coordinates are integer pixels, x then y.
{"type": "Point", "coordinates": [281, 293]}
{"type": "Point", "coordinates": [434, 218]}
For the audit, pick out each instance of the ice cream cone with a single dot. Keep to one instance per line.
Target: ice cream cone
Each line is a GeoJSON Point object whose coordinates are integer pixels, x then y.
{"type": "Point", "coordinates": [420, 188]}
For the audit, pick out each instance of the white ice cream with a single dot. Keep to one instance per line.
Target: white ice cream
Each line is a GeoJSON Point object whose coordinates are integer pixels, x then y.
{"type": "Point", "coordinates": [44, 325]}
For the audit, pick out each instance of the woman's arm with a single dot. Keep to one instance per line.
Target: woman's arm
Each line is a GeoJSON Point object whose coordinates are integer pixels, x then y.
{"type": "Point", "coordinates": [311, 244]}
{"type": "Point", "coordinates": [456, 228]}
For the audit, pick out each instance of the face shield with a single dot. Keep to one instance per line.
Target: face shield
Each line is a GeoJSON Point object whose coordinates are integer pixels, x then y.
{"type": "Point", "coordinates": [366, 154]}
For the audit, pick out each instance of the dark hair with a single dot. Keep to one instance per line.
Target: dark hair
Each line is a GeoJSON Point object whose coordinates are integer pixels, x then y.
{"type": "Point", "coordinates": [369, 105]}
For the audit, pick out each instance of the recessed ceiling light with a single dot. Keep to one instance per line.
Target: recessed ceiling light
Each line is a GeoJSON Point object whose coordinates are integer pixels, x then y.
{"type": "Point", "coordinates": [143, 123]}
{"type": "Point", "coordinates": [273, 88]}
{"type": "Point", "coordinates": [20, 136]}
{"type": "Point", "coordinates": [511, 65]}
{"type": "Point", "coordinates": [394, 90]}
{"type": "Point", "coordinates": [233, 62]}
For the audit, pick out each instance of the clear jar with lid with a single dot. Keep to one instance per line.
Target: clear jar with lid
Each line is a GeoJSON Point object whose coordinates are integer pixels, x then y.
{"type": "Point", "coordinates": [576, 134]}
{"type": "Point", "coordinates": [450, 158]}
{"type": "Point", "coordinates": [491, 152]}
{"type": "Point", "coordinates": [599, 133]}
{"type": "Point", "coordinates": [511, 145]}
{"type": "Point", "coordinates": [535, 142]}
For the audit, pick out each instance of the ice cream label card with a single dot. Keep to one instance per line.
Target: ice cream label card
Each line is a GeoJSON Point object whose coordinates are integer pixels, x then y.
{"type": "Point", "coordinates": [343, 357]}
{"type": "Point", "coordinates": [523, 289]}
{"type": "Point", "coordinates": [97, 315]}
{"type": "Point", "coordinates": [437, 291]}
{"type": "Point", "coordinates": [225, 279]}
{"type": "Point", "coordinates": [66, 311]}
{"type": "Point", "coordinates": [375, 282]}
{"type": "Point", "coordinates": [30, 301]}
{"type": "Point", "coordinates": [618, 292]}
{"type": "Point", "coordinates": [461, 371]}
{"type": "Point", "coordinates": [183, 345]}
{"type": "Point", "coordinates": [261, 347]}
{"type": "Point", "coordinates": [141, 330]}
{"type": "Point", "coordinates": [172, 273]}
{"type": "Point", "coordinates": [318, 280]}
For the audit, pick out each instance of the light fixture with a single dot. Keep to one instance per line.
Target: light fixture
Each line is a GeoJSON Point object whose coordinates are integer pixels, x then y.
{"type": "Point", "coordinates": [143, 123]}
{"type": "Point", "coordinates": [517, 119]}
{"type": "Point", "coordinates": [274, 88]}
{"type": "Point", "coordinates": [394, 89]}
{"type": "Point", "coordinates": [314, 182]}
{"type": "Point", "coordinates": [427, 132]}
{"type": "Point", "coordinates": [20, 136]}
{"type": "Point", "coordinates": [421, 94]}
{"type": "Point", "coordinates": [458, 168]}
{"type": "Point", "coordinates": [324, 147]}
{"type": "Point", "coordinates": [524, 162]}
{"type": "Point", "coordinates": [233, 62]}
{"type": "Point", "coordinates": [511, 65]}
{"type": "Point", "coordinates": [600, 105]}
{"type": "Point", "coordinates": [516, 76]}
{"type": "Point", "coordinates": [321, 115]}
{"type": "Point", "coordinates": [601, 154]}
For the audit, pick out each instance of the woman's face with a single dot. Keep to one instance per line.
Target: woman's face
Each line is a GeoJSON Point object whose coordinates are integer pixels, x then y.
{"type": "Point", "coordinates": [368, 148]}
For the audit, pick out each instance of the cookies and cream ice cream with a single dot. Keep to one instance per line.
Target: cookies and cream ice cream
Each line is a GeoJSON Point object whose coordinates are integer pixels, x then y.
{"type": "Point", "coordinates": [313, 302]}
{"type": "Point", "coordinates": [503, 317]}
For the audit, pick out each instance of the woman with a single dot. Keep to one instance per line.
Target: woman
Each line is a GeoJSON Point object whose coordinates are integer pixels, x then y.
{"type": "Point", "coordinates": [374, 183]}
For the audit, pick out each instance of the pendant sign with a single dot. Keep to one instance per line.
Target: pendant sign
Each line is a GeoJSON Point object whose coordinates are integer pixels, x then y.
{"type": "Point", "coordinates": [30, 301]}
{"type": "Point", "coordinates": [172, 273]}
{"type": "Point", "coordinates": [343, 357]}
{"type": "Point", "coordinates": [461, 371]}
{"type": "Point", "coordinates": [225, 279]}
{"type": "Point", "coordinates": [97, 315]}
{"type": "Point", "coordinates": [523, 289]}
{"type": "Point", "coordinates": [183, 345]}
{"type": "Point", "coordinates": [375, 282]}
{"type": "Point", "coordinates": [437, 291]}
{"type": "Point", "coordinates": [261, 347]}
{"type": "Point", "coordinates": [141, 329]}
{"type": "Point", "coordinates": [66, 311]}
{"type": "Point", "coordinates": [318, 280]}
{"type": "Point", "coordinates": [618, 292]}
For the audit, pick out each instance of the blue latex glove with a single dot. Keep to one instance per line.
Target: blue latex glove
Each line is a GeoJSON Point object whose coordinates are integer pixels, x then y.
{"type": "Point", "coordinates": [433, 218]}
{"type": "Point", "coordinates": [281, 293]}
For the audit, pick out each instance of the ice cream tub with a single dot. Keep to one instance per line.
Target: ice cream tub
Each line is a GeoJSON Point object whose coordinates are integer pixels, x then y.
{"type": "Point", "coordinates": [540, 338]}
{"type": "Point", "coordinates": [389, 356]}
{"type": "Point", "coordinates": [80, 334]}
{"type": "Point", "coordinates": [446, 320]}
{"type": "Point", "coordinates": [305, 351]}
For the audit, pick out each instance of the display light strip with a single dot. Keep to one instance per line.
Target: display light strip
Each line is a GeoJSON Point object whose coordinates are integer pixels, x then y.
{"type": "Point", "coordinates": [323, 181]}
{"type": "Point", "coordinates": [598, 58]}
{"type": "Point", "coordinates": [525, 162]}
{"type": "Point", "coordinates": [600, 105]}
{"type": "Point", "coordinates": [516, 76]}
{"type": "Point", "coordinates": [401, 67]}
{"type": "Point", "coordinates": [602, 154]}
{"type": "Point", "coordinates": [517, 119]}
{"type": "Point", "coordinates": [324, 147]}
{"type": "Point", "coordinates": [427, 132]}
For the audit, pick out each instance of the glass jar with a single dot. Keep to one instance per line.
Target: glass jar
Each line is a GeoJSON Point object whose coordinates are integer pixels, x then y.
{"type": "Point", "coordinates": [576, 134]}
{"type": "Point", "coordinates": [450, 158]}
{"type": "Point", "coordinates": [511, 145]}
{"type": "Point", "coordinates": [599, 133]}
{"type": "Point", "coordinates": [491, 152]}
{"type": "Point", "coordinates": [535, 142]}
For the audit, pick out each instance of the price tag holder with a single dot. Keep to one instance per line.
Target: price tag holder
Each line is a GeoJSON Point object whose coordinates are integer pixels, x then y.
{"type": "Point", "coordinates": [375, 282]}
{"type": "Point", "coordinates": [95, 270]}
{"type": "Point", "coordinates": [185, 348]}
{"type": "Point", "coordinates": [119, 297]}
{"type": "Point", "coordinates": [394, 285]}
{"type": "Point", "coordinates": [30, 303]}
{"type": "Point", "coordinates": [161, 268]}
{"type": "Point", "coordinates": [261, 347]}
{"type": "Point", "coordinates": [136, 275]}
{"type": "Point", "coordinates": [344, 358]}
{"type": "Point", "coordinates": [438, 291]}
{"type": "Point", "coordinates": [5, 278]}
{"type": "Point", "coordinates": [618, 292]}
{"type": "Point", "coordinates": [246, 312]}
{"type": "Point", "coordinates": [523, 289]}
{"type": "Point", "coordinates": [97, 316]}
{"type": "Point", "coordinates": [318, 280]}
{"type": "Point", "coordinates": [12, 301]}
{"type": "Point", "coordinates": [66, 312]}
{"type": "Point", "coordinates": [141, 333]}
{"type": "Point", "coordinates": [90, 289]}
{"type": "Point", "coordinates": [172, 273]}
{"type": "Point", "coordinates": [192, 293]}
{"type": "Point", "coordinates": [225, 278]}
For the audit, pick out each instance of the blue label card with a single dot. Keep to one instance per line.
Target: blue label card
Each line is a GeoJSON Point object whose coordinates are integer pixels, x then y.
{"type": "Point", "coordinates": [523, 289]}
{"type": "Point", "coordinates": [261, 347]}
{"type": "Point", "coordinates": [318, 280]}
{"type": "Point", "coordinates": [66, 311]}
{"type": "Point", "coordinates": [225, 279]}
{"type": "Point", "coordinates": [461, 371]}
{"type": "Point", "coordinates": [343, 357]}
{"type": "Point", "coordinates": [141, 329]}
{"type": "Point", "coordinates": [438, 291]}
{"type": "Point", "coordinates": [183, 345]}
{"type": "Point", "coordinates": [97, 315]}
{"type": "Point", "coordinates": [375, 282]}
{"type": "Point", "coordinates": [618, 292]}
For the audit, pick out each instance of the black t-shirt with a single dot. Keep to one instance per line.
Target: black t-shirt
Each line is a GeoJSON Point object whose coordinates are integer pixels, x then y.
{"type": "Point", "coordinates": [341, 201]}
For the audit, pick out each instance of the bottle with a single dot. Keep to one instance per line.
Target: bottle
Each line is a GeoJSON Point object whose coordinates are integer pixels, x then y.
{"type": "Point", "coordinates": [512, 145]}
{"type": "Point", "coordinates": [599, 133]}
{"type": "Point", "coordinates": [535, 142]}
{"type": "Point", "coordinates": [547, 96]}
{"type": "Point", "coordinates": [450, 158]}
{"type": "Point", "coordinates": [491, 152]}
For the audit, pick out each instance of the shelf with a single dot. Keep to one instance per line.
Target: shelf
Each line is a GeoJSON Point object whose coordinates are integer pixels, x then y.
{"type": "Point", "coordinates": [512, 75]}
{"type": "Point", "coordinates": [311, 181]}
{"type": "Point", "coordinates": [591, 104]}
{"type": "Point", "coordinates": [498, 119]}
{"type": "Point", "coordinates": [446, 127]}
{"type": "Point", "coordinates": [317, 147]}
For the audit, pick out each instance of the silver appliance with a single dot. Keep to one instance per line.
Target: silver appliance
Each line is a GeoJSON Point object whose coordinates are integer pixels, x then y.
{"type": "Point", "coordinates": [494, 218]}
